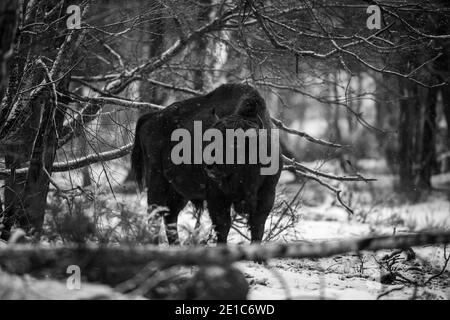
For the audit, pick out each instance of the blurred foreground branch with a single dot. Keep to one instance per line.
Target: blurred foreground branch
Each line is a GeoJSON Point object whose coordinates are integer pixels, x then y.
{"type": "Point", "coordinates": [117, 263]}
{"type": "Point", "coordinates": [26, 288]}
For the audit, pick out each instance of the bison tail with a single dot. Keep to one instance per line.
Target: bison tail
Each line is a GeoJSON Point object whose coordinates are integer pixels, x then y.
{"type": "Point", "coordinates": [137, 161]}
{"type": "Point", "coordinates": [137, 155]}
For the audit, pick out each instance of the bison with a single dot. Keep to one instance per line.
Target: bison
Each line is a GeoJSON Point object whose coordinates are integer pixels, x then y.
{"type": "Point", "coordinates": [221, 185]}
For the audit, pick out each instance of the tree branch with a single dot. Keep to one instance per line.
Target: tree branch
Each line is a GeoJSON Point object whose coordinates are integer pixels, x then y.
{"type": "Point", "coordinates": [33, 259]}
{"type": "Point", "coordinates": [302, 168]}
{"type": "Point", "coordinates": [81, 162]}
{"type": "Point", "coordinates": [281, 126]}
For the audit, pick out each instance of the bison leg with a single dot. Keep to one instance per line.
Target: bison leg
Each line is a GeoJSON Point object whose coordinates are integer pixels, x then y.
{"type": "Point", "coordinates": [160, 193]}
{"type": "Point", "coordinates": [219, 211]}
{"type": "Point", "coordinates": [257, 220]}
{"type": "Point", "coordinates": [258, 217]}
{"type": "Point", "coordinates": [175, 205]}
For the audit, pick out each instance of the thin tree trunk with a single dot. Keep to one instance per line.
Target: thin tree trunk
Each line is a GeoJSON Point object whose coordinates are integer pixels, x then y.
{"type": "Point", "coordinates": [406, 142]}
{"type": "Point", "coordinates": [37, 183]}
{"type": "Point", "coordinates": [428, 150]}
{"type": "Point", "coordinates": [200, 47]}
{"type": "Point", "coordinates": [446, 108]}
{"type": "Point", "coordinates": [335, 112]}
{"type": "Point", "coordinates": [147, 91]}
{"type": "Point", "coordinates": [85, 172]}
{"type": "Point", "coordinates": [9, 74]}
{"type": "Point", "coordinates": [387, 120]}
{"type": "Point", "coordinates": [8, 26]}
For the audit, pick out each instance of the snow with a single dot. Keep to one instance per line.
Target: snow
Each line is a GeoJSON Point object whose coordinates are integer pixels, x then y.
{"type": "Point", "coordinates": [377, 211]}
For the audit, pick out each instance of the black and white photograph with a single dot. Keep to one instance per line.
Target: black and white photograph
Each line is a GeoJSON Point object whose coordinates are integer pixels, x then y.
{"type": "Point", "coordinates": [223, 151]}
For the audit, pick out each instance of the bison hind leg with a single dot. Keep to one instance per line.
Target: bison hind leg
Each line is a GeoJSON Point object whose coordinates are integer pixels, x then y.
{"type": "Point", "coordinates": [258, 217]}
{"type": "Point", "coordinates": [160, 193]}
{"type": "Point", "coordinates": [219, 207]}
{"type": "Point", "coordinates": [176, 204]}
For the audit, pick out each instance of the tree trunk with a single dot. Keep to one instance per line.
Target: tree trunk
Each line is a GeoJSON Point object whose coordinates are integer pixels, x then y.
{"type": "Point", "coordinates": [428, 150]}
{"type": "Point", "coordinates": [387, 120]}
{"type": "Point", "coordinates": [30, 131]}
{"type": "Point", "coordinates": [40, 169]}
{"type": "Point", "coordinates": [446, 108]}
{"type": "Point", "coordinates": [200, 47]}
{"type": "Point", "coordinates": [149, 92]}
{"type": "Point", "coordinates": [86, 180]}
{"type": "Point", "coordinates": [417, 137]}
{"type": "Point", "coordinates": [407, 132]}
{"type": "Point", "coordinates": [8, 26]}
{"type": "Point", "coordinates": [334, 114]}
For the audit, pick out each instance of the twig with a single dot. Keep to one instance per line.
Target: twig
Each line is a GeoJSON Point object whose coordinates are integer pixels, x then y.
{"type": "Point", "coordinates": [443, 268]}
{"type": "Point", "coordinates": [390, 291]}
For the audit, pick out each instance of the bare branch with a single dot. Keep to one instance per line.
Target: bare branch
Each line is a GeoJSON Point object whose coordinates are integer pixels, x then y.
{"type": "Point", "coordinates": [280, 125]}
{"type": "Point", "coordinates": [120, 102]}
{"type": "Point", "coordinates": [118, 84]}
{"type": "Point", "coordinates": [173, 87]}
{"type": "Point", "coordinates": [298, 166]}
{"type": "Point", "coordinates": [337, 192]}
{"type": "Point", "coordinates": [80, 162]}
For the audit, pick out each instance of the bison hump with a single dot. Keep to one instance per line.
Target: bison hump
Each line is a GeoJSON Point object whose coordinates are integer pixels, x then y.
{"type": "Point", "coordinates": [250, 105]}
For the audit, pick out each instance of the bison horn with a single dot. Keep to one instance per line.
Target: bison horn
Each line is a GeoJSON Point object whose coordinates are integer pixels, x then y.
{"type": "Point", "coordinates": [213, 111]}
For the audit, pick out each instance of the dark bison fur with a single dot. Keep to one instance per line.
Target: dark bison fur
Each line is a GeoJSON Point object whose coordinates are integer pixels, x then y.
{"type": "Point", "coordinates": [221, 186]}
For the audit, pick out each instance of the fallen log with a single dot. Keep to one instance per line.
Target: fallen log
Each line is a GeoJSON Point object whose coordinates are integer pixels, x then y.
{"type": "Point", "coordinates": [115, 264]}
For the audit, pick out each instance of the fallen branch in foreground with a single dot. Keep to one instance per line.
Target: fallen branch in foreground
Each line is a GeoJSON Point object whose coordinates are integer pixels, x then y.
{"type": "Point", "coordinates": [113, 264]}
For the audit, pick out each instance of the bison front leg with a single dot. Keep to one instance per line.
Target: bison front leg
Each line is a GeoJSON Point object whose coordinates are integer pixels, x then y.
{"type": "Point", "coordinates": [219, 211]}
{"type": "Point", "coordinates": [258, 217]}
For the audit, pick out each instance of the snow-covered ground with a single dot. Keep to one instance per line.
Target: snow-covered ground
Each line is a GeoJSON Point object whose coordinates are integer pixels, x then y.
{"type": "Point", "coordinates": [320, 218]}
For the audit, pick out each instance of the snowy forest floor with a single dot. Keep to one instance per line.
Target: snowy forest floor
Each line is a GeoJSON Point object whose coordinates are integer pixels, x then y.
{"type": "Point", "coordinates": [377, 210]}
{"type": "Point", "coordinates": [304, 212]}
